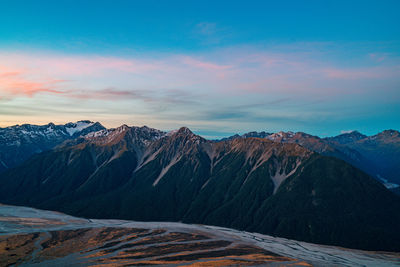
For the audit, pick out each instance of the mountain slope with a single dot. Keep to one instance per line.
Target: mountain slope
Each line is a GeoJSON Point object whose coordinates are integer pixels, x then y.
{"type": "Point", "coordinates": [246, 183]}
{"type": "Point", "coordinates": [337, 203]}
{"type": "Point", "coordinates": [84, 166]}
{"type": "Point", "coordinates": [382, 151]}
{"type": "Point", "coordinates": [378, 155]}
{"type": "Point", "coordinates": [20, 142]}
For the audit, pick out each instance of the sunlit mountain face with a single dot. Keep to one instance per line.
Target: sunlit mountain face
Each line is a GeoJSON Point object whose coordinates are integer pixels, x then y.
{"type": "Point", "coordinates": [199, 133]}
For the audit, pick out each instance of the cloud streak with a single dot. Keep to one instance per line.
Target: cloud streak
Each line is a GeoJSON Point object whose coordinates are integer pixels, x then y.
{"type": "Point", "coordinates": [258, 73]}
{"type": "Point", "coordinates": [209, 66]}
{"type": "Point", "coordinates": [210, 33]}
{"type": "Point", "coordinates": [245, 85]}
{"type": "Point", "coordinates": [13, 84]}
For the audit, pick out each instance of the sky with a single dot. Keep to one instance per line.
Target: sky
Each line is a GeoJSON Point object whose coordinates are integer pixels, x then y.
{"type": "Point", "coordinates": [217, 67]}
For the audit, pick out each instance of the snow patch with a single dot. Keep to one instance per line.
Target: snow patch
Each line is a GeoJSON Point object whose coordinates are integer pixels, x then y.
{"type": "Point", "coordinates": [149, 158]}
{"type": "Point", "coordinates": [347, 131]}
{"type": "Point", "coordinates": [77, 127]}
{"type": "Point", "coordinates": [107, 135]}
{"type": "Point", "coordinates": [100, 133]}
{"type": "Point", "coordinates": [206, 183]}
{"type": "Point", "coordinates": [166, 168]}
{"type": "Point", "coordinates": [2, 163]}
{"type": "Point", "coordinates": [278, 178]}
{"type": "Point", "coordinates": [386, 183]}
{"type": "Point", "coordinates": [264, 158]}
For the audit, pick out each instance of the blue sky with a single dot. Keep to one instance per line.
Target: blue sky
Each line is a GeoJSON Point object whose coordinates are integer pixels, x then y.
{"type": "Point", "coordinates": [218, 67]}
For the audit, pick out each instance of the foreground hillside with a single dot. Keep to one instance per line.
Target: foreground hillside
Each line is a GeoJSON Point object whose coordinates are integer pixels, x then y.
{"type": "Point", "coordinates": [252, 184]}
{"type": "Point", "coordinates": [30, 236]}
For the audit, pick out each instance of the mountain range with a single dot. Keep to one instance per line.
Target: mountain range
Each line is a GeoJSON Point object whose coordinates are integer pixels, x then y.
{"type": "Point", "coordinates": [20, 142]}
{"type": "Point", "coordinates": [377, 155]}
{"type": "Point", "coordinates": [291, 185]}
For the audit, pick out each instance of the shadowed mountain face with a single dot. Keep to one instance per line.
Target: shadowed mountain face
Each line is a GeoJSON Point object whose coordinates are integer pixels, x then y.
{"type": "Point", "coordinates": [378, 155]}
{"type": "Point", "coordinates": [253, 184]}
{"type": "Point", "coordinates": [20, 142]}
{"type": "Point", "coordinates": [382, 152]}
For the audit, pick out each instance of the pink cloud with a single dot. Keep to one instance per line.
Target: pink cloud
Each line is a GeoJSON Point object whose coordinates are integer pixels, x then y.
{"type": "Point", "coordinates": [79, 65]}
{"type": "Point", "coordinates": [16, 83]}
{"type": "Point", "coordinates": [377, 57]}
{"type": "Point", "coordinates": [13, 83]}
{"type": "Point", "coordinates": [353, 74]}
{"type": "Point", "coordinates": [204, 64]}
{"type": "Point", "coordinates": [256, 73]}
{"type": "Point", "coordinates": [9, 74]}
{"type": "Point", "coordinates": [92, 65]}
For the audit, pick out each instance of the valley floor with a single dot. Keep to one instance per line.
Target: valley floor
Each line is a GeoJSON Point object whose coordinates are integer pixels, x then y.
{"type": "Point", "coordinates": [32, 237]}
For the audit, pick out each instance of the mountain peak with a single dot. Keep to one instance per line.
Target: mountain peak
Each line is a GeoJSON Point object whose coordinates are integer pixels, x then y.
{"type": "Point", "coordinates": [354, 133]}
{"type": "Point", "coordinates": [347, 137]}
{"type": "Point", "coordinates": [74, 128]}
{"type": "Point", "coordinates": [390, 132]}
{"type": "Point", "coordinates": [185, 130]}
{"type": "Point", "coordinates": [262, 134]}
{"type": "Point", "coordinates": [184, 135]}
{"type": "Point", "coordinates": [387, 135]}
{"type": "Point", "coordinates": [108, 132]}
{"type": "Point", "coordinates": [280, 136]}
{"type": "Point", "coordinates": [85, 121]}
{"type": "Point", "coordinates": [122, 128]}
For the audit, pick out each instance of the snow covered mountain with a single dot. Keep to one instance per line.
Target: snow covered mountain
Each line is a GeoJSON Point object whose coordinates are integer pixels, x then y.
{"type": "Point", "coordinates": [20, 142]}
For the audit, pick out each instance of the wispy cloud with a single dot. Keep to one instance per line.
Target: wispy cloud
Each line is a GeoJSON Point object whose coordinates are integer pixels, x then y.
{"type": "Point", "coordinates": [210, 33]}
{"type": "Point", "coordinates": [206, 65]}
{"type": "Point", "coordinates": [257, 73]}
{"type": "Point", "coordinates": [206, 28]}
{"type": "Point", "coordinates": [378, 57]}
{"type": "Point", "coordinates": [13, 83]}
{"type": "Point", "coordinates": [169, 97]}
{"type": "Point", "coordinates": [359, 73]}
{"type": "Point", "coordinates": [232, 85]}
